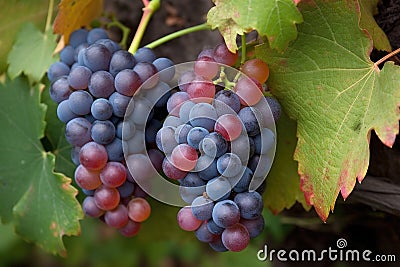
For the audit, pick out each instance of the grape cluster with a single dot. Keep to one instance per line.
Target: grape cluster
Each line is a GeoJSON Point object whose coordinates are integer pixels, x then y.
{"type": "Point", "coordinates": [93, 83]}
{"type": "Point", "coordinates": [218, 141]}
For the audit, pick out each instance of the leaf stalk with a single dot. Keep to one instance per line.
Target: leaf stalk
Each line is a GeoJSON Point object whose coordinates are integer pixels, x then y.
{"type": "Point", "coordinates": [149, 8]}
{"type": "Point", "coordinates": [391, 54]}
{"type": "Point", "coordinates": [174, 35]}
{"type": "Point", "coordinates": [49, 16]}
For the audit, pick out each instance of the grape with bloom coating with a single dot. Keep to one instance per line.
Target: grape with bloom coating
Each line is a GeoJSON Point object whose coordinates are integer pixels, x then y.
{"type": "Point", "coordinates": [139, 209]}
{"type": "Point", "coordinates": [257, 69]}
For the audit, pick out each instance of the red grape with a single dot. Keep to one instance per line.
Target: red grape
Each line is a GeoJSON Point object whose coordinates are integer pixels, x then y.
{"type": "Point", "coordinates": [93, 156]}
{"type": "Point", "coordinates": [224, 56]}
{"type": "Point", "coordinates": [139, 209]}
{"type": "Point", "coordinates": [257, 69]}
{"type": "Point", "coordinates": [186, 220]}
{"type": "Point", "coordinates": [117, 217]}
{"type": "Point", "coordinates": [184, 157]}
{"type": "Point", "coordinates": [130, 229]}
{"type": "Point", "coordinates": [106, 198]}
{"type": "Point", "coordinates": [90, 208]}
{"type": "Point", "coordinates": [113, 174]}
{"type": "Point", "coordinates": [247, 91]}
{"type": "Point", "coordinates": [87, 179]}
{"type": "Point", "coordinates": [236, 238]}
{"type": "Point", "coordinates": [206, 67]}
{"type": "Point", "coordinates": [201, 91]}
{"type": "Point", "coordinates": [229, 126]}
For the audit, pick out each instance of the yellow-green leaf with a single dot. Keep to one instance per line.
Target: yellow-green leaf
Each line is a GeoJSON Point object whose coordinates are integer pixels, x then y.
{"type": "Point", "coordinates": [326, 82]}
{"type": "Point", "coordinates": [274, 19]}
{"type": "Point", "coordinates": [32, 53]}
{"type": "Point", "coordinates": [367, 21]}
{"type": "Point", "coordinates": [283, 181]}
{"type": "Point", "coordinates": [74, 14]}
{"type": "Point", "coordinates": [38, 201]}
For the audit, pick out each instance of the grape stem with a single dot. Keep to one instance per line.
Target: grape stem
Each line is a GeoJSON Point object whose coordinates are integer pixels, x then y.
{"type": "Point", "coordinates": [125, 30]}
{"type": "Point", "coordinates": [49, 16]}
{"type": "Point", "coordinates": [177, 34]}
{"type": "Point", "coordinates": [391, 54]}
{"type": "Point", "coordinates": [149, 8]}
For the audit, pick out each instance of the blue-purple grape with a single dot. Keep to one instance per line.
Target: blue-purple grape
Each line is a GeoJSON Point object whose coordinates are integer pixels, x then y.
{"type": "Point", "coordinates": [250, 204]}
{"type": "Point", "coordinates": [79, 77]}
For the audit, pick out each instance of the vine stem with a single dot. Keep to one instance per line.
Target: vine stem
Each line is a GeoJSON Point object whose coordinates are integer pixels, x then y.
{"type": "Point", "coordinates": [49, 16]}
{"type": "Point", "coordinates": [243, 59]}
{"type": "Point", "coordinates": [177, 34]}
{"type": "Point", "coordinates": [149, 8]}
{"type": "Point", "coordinates": [391, 54]}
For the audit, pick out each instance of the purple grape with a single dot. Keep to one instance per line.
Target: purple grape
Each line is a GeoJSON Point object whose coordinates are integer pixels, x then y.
{"type": "Point", "coordinates": [95, 35]}
{"type": "Point", "coordinates": [218, 245]}
{"type": "Point", "coordinates": [229, 165]}
{"type": "Point", "coordinates": [202, 208]}
{"type": "Point", "coordinates": [203, 235]}
{"type": "Point", "coordinates": [67, 55]}
{"type": "Point", "coordinates": [96, 57]}
{"type": "Point", "coordinates": [236, 238]}
{"type": "Point", "coordinates": [77, 131]}
{"type": "Point", "coordinates": [101, 84]}
{"type": "Point", "coordinates": [60, 90]}
{"type": "Point", "coordinates": [248, 117]}
{"type": "Point", "coordinates": [250, 204]}
{"type": "Point", "coordinates": [218, 188]}
{"type": "Point", "coordinates": [110, 44]}
{"type": "Point", "coordinates": [195, 136]}
{"type": "Point", "coordinates": [181, 133]}
{"type": "Point", "coordinates": [103, 132]}
{"type": "Point", "coordinates": [90, 208]}
{"type": "Point", "coordinates": [214, 228]}
{"type": "Point", "coordinates": [127, 82]}
{"type": "Point", "coordinates": [145, 54]}
{"type": "Point", "coordinates": [244, 181]}
{"type": "Point", "coordinates": [126, 189]}
{"type": "Point", "coordinates": [79, 77]}
{"type": "Point", "coordinates": [64, 113]}
{"type": "Point", "coordinates": [121, 60]}
{"type": "Point", "coordinates": [80, 102]}
{"type": "Point", "coordinates": [226, 213]}
{"type": "Point", "coordinates": [101, 109]}
{"type": "Point", "coordinates": [147, 73]}
{"type": "Point", "coordinates": [165, 67]}
{"type": "Point", "coordinates": [275, 107]}
{"type": "Point", "coordinates": [214, 145]}
{"type": "Point", "coordinates": [115, 150]}
{"type": "Point", "coordinates": [255, 226]}
{"type": "Point", "coordinates": [78, 37]}
{"type": "Point", "coordinates": [57, 70]}
{"type": "Point", "coordinates": [119, 103]}
{"type": "Point", "coordinates": [226, 98]}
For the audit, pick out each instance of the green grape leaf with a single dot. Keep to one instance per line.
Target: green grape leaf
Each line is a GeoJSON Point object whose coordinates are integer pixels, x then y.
{"type": "Point", "coordinates": [274, 19]}
{"type": "Point", "coordinates": [14, 13]}
{"type": "Point", "coordinates": [39, 202]}
{"type": "Point", "coordinates": [367, 21]}
{"type": "Point", "coordinates": [73, 15]}
{"type": "Point", "coordinates": [283, 183]}
{"type": "Point", "coordinates": [32, 53]}
{"type": "Point", "coordinates": [326, 82]}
